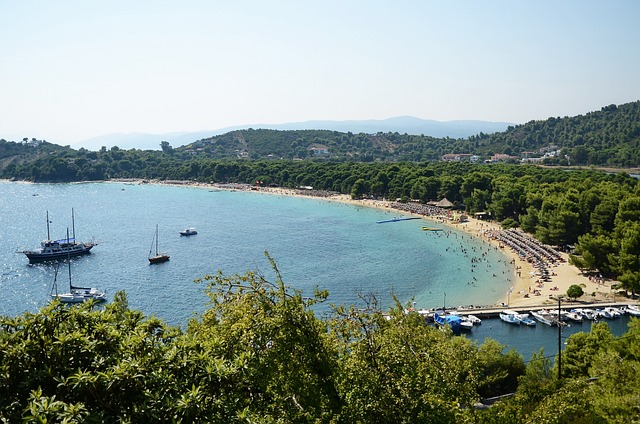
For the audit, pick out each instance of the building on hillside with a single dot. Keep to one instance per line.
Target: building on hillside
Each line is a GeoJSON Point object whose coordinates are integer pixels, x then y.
{"type": "Point", "coordinates": [456, 157]}
{"type": "Point", "coordinates": [318, 149]}
{"type": "Point", "coordinates": [500, 157]}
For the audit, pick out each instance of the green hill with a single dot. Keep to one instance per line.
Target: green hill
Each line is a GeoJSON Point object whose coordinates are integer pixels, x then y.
{"type": "Point", "coordinates": [608, 137]}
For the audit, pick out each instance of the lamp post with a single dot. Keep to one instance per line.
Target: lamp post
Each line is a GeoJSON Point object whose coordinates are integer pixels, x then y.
{"type": "Point", "coordinates": [559, 298]}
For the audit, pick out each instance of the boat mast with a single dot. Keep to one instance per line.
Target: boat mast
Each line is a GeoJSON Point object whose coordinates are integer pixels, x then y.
{"type": "Point", "coordinates": [54, 287]}
{"type": "Point", "coordinates": [69, 262]}
{"type": "Point", "coordinates": [70, 285]}
{"type": "Point", "coordinates": [156, 239]}
{"type": "Point", "coordinates": [48, 236]}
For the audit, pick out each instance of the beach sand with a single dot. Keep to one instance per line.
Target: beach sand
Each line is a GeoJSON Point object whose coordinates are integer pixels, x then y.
{"type": "Point", "coordinates": [521, 294]}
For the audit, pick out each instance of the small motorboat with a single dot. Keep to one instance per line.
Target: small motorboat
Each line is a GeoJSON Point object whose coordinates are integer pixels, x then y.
{"type": "Point", "coordinates": [633, 310]}
{"type": "Point", "coordinates": [542, 316]}
{"type": "Point", "coordinates": [587, 314]}
{"type": "Point", "coordinates": [474, 319]}
{"type": "Point", "coordinates": [510, 317]}
{"type": "Point", "coordinates": [572, 316]}
{"type": "Point", "coordinates": [615, 312]}
{"type": "Point", "coordinates": [525, 319]}
{"type": "Point", "coordinates": [188, 232]}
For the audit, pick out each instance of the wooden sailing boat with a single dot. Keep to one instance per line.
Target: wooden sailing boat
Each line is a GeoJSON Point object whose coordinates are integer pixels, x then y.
{"type": "Point", "coordinates": [59, 249]}
{"type": "Point", "coordinates": [158, 257]}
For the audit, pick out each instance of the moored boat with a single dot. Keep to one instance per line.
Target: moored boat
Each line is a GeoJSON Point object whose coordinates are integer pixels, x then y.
{"type": "Point", "coordinates": [158, 257]}
{"type": "Point", "coordinates": [465, 322]}
{"type": "Point", "coordinates": [526, 320]}
{"type": "Point", "coordinates": [188, 232]}
{"type": "Point", "coordinates": [587, 314]}
{"type": "Point", "coordinates": [76, 294]}
{"type": "Point", "coordinates": [510, 317]}
{"type": "Point", "coordinates": [544, 318]}
{"type": "Point", "coordinates": [474, 319]}
{"type": "Point", "coordinates": [572, 316]}
{"type": "Point", "coordinates": [615, 312]}
{"type": "Point", "coordinates": [51, 250]}
{"type": "Point", "coordinates": [602, 313]}
{"type": "Point", "coordinates": [443, 318]}
{"type": "Point", "coordinates": [633, 310]}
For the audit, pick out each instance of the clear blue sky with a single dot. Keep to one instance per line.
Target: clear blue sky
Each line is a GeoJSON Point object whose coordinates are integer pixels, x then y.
{"type": "Point", "coordinates": [72, 70]}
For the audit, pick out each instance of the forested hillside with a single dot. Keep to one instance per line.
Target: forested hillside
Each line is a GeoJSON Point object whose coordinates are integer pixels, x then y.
{"type": "Point", "coordinates": [609, 137]}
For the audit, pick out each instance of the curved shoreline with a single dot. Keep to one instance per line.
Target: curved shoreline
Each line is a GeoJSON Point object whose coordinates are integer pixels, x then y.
{"type": "Point", "coordinates": [525, 292]}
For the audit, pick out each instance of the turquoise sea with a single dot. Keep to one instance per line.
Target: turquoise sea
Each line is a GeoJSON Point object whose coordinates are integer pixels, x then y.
{"type": "Point", "coordinates": [315, 242]}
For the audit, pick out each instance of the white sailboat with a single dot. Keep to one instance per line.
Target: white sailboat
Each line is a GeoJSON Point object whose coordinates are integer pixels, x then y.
{"type": "Point", "coordinates": [76, 294]}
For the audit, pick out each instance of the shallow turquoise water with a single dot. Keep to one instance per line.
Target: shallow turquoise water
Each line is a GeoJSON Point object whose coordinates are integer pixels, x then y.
{"type": "Point", "coordinates": [316, 243]}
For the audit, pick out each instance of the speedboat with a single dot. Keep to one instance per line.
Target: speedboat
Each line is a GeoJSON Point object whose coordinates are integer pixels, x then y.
{"type": "Point", "coordinates": [188, 232]}
{"type": "Point", "coordinates": [465, 324]}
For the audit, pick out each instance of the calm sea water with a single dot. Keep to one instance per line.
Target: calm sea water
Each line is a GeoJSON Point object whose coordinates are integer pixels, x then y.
{"type": "Point", "coordinates": [316, 243]}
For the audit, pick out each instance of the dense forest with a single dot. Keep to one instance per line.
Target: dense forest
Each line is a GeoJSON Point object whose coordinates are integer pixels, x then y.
{"type": "Point", "coordinates": [260, 354]}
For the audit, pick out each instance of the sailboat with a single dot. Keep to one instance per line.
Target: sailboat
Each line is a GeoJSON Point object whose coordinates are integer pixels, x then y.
{"type": "Point", "coordinates": [76, 294]}
{"type": "Point", "coordinates": [158, 257]}
{"type": "Point", "coordinates": [59, 249]}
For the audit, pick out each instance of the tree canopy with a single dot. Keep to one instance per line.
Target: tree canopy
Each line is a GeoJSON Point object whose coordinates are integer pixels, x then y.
{"type": "Point", "coordinates": [260, 354]}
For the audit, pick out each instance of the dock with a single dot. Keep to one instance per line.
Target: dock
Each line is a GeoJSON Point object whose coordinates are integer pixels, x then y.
{"type": "Point", "coordinates": [494, 312]}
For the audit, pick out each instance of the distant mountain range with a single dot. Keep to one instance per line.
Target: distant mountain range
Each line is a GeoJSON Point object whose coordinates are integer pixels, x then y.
{"type": "Point", "coordinates": [401, 124]}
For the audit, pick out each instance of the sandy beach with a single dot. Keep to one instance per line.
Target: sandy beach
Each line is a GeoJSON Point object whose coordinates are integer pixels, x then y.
{"type": "Point", "coordinates": [526, 291]}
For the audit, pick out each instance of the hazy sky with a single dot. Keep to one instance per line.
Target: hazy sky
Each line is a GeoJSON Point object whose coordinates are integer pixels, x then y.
{"type": "Point", "coordinates": [72, 70]}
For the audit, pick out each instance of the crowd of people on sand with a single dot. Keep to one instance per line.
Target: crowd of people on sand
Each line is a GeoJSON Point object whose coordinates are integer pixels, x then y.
{"type": "Point", "coordinates": [422, 209]}
{"type": "Point", "coordinates": [527, 248]}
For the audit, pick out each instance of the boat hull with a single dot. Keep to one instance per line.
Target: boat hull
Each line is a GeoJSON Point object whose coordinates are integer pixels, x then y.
{"type": "Point", "coordinates": [509, 319]}
{"type": "Point", "coordinates": [44, 256]}
{"type": "Point", "coordinates": [158, 259]}
{"type": "Point", "coordinates": [81, 296]}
